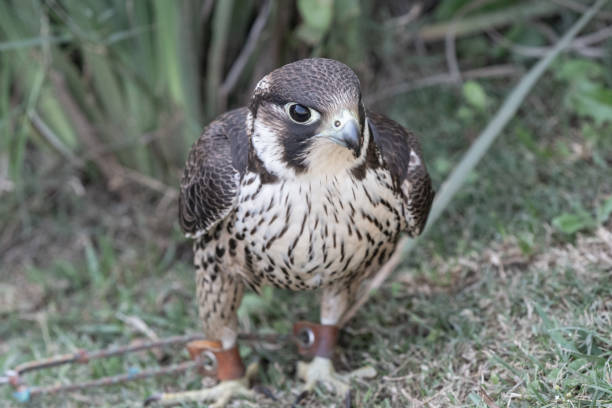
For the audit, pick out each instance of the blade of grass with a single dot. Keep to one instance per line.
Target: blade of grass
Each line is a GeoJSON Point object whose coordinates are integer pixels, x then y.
{"type": "Point", "coordinates": [166, 20]}
{"type": "Point", "coordinates": [478, 149]}
{"type": "Point", "coordinates": [5, 100]}
{"type": "Point", "coordinates": [34, 42]}
{"type": "Point", "coordinates": [189, 53]}
{"type": "Point", "coordinates": [247, 50]}
{"type": "Point", "coordinates": [47, 134]}
{"type": "Point", "coordinates": [175, 46]}
{"type": "Point", "coordinates": [216, 55]}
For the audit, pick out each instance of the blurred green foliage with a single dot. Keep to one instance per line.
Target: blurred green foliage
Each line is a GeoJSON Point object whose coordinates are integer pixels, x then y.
{"type": "Point", "coordinates": [108, 90]}
{"type": "Point", "coordinates": [588, 95]}
{"type": "Point", "coordinates": [136, 80]}
{"type": "Point", "coordinates": [131, 83]}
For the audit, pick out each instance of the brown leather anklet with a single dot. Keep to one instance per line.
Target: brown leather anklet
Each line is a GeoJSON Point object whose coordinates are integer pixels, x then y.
{"type": "Point", "coordinates": [316, 339]}
{"type": "Point", "coordinates": [228, 362]}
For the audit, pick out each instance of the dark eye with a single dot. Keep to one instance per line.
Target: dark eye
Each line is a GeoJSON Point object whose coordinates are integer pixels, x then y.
{"type": "Point", "coordinates": [299, 113]}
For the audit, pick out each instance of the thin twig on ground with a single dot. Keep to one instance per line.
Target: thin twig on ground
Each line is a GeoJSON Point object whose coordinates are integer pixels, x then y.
{"type": "Point", "coordinates": [139, 325]}
{"type": "Point", "coordinates": [133, 375]}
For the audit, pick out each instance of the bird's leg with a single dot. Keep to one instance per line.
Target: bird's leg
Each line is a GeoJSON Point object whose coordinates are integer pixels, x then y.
{"type": "Point", "coordinates": [219, 294]}
{"type": "Point", "coordinates": [319, 340]}
{"type": "Point", "coordinates": [228, 363]}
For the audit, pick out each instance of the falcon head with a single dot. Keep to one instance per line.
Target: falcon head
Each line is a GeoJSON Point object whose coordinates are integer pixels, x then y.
{"type": "Point", "coordinates": [307, 117]}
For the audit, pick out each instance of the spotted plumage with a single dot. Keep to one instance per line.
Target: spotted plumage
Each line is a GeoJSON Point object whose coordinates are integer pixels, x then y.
{"type": "Point", "coordinates": [304, 189]}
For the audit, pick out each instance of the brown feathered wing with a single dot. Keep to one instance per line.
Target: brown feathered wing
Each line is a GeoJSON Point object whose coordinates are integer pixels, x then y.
{"type": "Point", "coordinates": [402, 155]}
{"type": "Point", "coordinates": [215, 165]}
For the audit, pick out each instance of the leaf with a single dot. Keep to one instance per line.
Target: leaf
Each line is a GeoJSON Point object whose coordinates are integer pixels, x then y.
{"type": "Point", "coordinates": [317, 13]}
{"type": "Point", "coordinates": [309, 35]}
{"type": "Point", "coordinates": [442, 165]}
{"type": "Point", "coordinates": [572, 223]}
{"type": "Point", "coordinates": [596, 104]}
{"type": "Point", "coordinates": [475, 95]}
{"type": "Point", "coordinates": [587, 96]}
{"type": "Point", "coordinates": [345, 10]}
{"type": "Point", "coordinates": [578, 69]}
{"type": "Point", "coordinates": [93, 265]}
{"type": "Point", "coordinates": [604, 211]}
{"type": "Point", "coordinates": [317, 17]}
{"type": "Point", "coordinates": [465, 114]}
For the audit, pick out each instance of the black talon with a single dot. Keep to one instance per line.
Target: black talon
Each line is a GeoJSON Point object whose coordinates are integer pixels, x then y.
{"type": "Point", "coordinates": [265, 391]}
{"type": "Point", "coordinates": [153, 398]}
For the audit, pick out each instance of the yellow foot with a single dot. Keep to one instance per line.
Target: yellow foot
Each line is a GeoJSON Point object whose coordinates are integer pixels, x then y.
{"type": "Point", "coordinates": [321, 370]}
{"type": "Point", "coordinates": [220, 394]}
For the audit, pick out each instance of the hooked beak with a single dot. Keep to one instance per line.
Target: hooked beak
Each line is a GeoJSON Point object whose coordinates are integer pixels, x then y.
{"type": "Point", "coordinates": [345, 132]}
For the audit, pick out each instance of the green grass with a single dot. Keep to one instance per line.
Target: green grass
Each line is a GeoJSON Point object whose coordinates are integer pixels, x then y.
{"type": "Point", "coordinates": [507, 302]}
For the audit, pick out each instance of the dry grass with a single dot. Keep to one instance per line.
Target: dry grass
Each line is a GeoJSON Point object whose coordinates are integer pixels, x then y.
{"type": "Point", "coordinates": [529, 331]}
{"type": "Point", "coordinates": [493, 328]}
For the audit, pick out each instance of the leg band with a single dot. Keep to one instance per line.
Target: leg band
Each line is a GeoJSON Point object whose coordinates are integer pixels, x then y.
{"type": "Point", "coordinates": [315, 339]}
{"type": "Point", "coordinates": [228, 363]}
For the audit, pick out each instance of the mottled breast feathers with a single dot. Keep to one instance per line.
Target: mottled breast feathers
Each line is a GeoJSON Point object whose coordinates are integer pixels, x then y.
{"type": "Point", "coordinates": [210, 183]}
{"type": "Point", "coordinates": [220, 157]}
{"type": "Point", "coordinates": [402, 156]}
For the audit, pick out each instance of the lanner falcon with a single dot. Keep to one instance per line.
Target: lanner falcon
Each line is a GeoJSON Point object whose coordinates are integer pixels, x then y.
{"type": "Point", "coordinates": [303, 189]}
